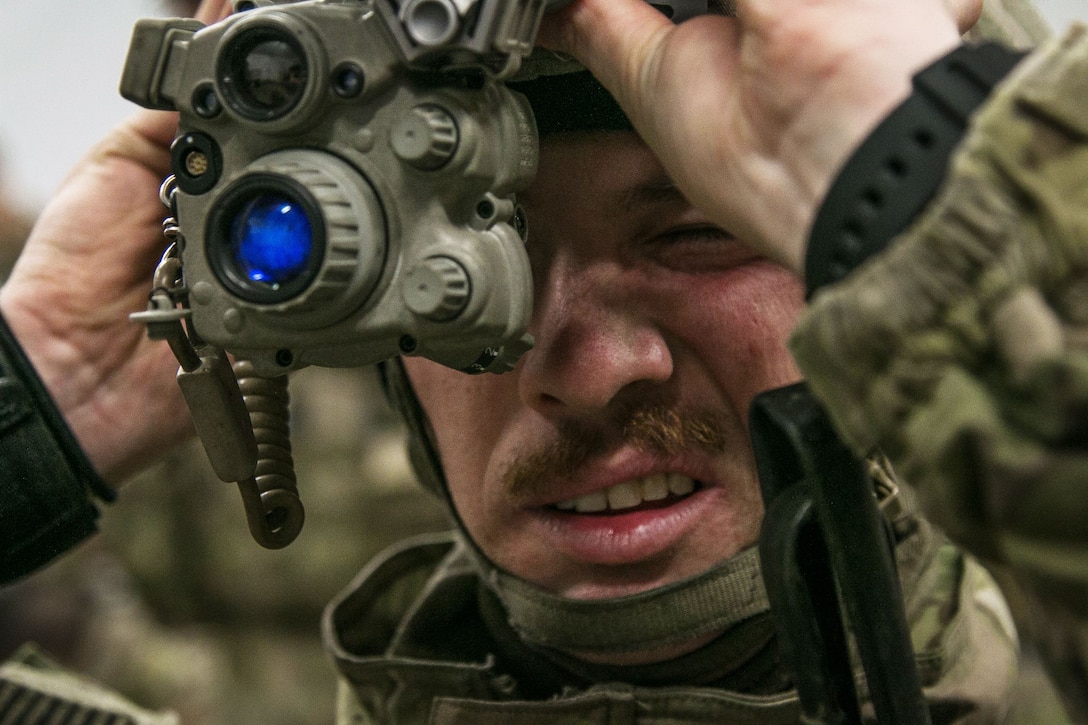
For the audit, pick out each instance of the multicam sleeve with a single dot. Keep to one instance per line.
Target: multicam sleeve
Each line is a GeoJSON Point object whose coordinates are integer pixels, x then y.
{"type": "Point", "coordinates": [962, 351]}
{"type": "Point", "coordinates": [1015, 23]}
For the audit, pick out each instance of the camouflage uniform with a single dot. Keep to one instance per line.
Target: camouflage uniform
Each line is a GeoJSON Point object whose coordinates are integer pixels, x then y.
{"type": "Point", "coordinates": [419, 639]}
{"type": "Point", "coordinates": [962, 352]}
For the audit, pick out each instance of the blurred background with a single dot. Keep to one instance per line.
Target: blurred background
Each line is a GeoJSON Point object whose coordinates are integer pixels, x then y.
{"type": "Point", "coordinates": [174, 605]}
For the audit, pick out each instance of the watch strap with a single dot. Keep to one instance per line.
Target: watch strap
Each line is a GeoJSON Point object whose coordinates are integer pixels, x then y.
{"type": "Point", "coordinates": [896, 171]}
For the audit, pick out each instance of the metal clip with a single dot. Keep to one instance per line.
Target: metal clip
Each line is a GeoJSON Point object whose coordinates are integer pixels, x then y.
{"type": "Point", "coordinates": [222, 416]}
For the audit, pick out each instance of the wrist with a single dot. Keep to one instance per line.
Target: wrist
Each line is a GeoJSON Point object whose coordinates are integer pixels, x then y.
{"type": "Point", "coordinates": [897, 169]}
{"type": "Point", "coordinates": [53, 430]}
{"type": "Point", "coordinates": [59, 371]}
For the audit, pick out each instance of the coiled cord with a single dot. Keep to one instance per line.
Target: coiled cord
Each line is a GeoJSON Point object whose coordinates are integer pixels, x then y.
{"type": "Point", "coordinates": [273, 508]}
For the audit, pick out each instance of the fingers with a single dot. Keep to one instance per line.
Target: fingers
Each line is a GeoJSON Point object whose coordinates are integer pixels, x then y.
{"type": "Point", "coordinates": [966, 13]}
{"type": "Point", "coordinates": [143, 138]}
{"type": "Point", "coordinates": [614, 39]}
{"type": "Point", "coordinates": [146, 135]}
{"type": "Point", "coordinates": [587, 27]}
{"type": "Point", "coordinates": [212, 11]}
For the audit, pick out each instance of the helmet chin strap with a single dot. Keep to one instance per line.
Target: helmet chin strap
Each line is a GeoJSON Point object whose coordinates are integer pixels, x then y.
{"type": "Point", "coordinates": [683, 611]}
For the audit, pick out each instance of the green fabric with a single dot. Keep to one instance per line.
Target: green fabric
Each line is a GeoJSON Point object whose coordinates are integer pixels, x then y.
{"type": "Point", "coordinates": [717, 598]}
{"type": "Point", "coordinates": [962, 352]}
{"type": "Point", "coordinates": [414, 644]}
{"type": "Point", "coordinates": [1015, 23]}
{"type": "Point", "coordinates": [33, 689]}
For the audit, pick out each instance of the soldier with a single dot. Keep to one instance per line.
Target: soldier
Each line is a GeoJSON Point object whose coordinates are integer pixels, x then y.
{"type": "Point", "coordinates": [604, 492]}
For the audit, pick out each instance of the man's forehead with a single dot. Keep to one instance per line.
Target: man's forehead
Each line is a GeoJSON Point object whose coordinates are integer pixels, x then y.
{"type": "Point", "coordinates": [602, 155]}
{"type": "Point", "coordinates": [615, 170]}
{"type": "Point", "coordinates": [656, 190]}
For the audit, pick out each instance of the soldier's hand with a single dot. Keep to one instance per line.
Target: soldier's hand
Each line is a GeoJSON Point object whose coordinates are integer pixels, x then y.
{"type": "Point", "coordinates": [752, 116]}
{"type": "Point", "coordinates": [86, 266]}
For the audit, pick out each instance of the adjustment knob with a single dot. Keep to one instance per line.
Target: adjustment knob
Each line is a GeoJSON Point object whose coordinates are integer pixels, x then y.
{"type": "Point", "coordinates": [437, 289]}
{"type": "Point", "coordinates": [300, 234]}
{"type": "Point", "coordinates": [432, 23]}
{"type": "Point", "coordinates": [425, 137]}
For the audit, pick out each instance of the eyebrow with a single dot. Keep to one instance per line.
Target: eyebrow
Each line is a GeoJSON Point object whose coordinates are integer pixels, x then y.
{"type": "Point", "coordinates": [659, 190]}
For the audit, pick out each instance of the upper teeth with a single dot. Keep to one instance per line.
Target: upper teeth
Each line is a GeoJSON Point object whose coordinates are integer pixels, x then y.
{"type": "Point", "coordinates": [630, 493]}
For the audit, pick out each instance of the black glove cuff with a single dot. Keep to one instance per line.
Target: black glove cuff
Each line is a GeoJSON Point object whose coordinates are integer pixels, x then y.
{"type": "Point", "coordinates": [46, 481]}
{"type": "Point", "coordinates": [895, 172]}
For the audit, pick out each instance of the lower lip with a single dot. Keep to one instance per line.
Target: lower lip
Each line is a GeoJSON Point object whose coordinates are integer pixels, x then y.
{"type": "Point", "coordinates": [618, 537]}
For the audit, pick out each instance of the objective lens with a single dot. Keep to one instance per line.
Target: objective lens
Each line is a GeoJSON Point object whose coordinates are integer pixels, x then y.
{"type": "Point", "coordinates": [266, 239]}
{"type": "Point", "coordinates": [271, 241]}
{"type": "Point", "coordinates": [263, 74]}
{"type": "Point", "coordinates": [299, 235]}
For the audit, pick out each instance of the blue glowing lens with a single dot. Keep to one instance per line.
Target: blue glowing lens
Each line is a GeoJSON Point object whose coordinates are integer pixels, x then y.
{"type": "Point", "coordinates": [271, 240]}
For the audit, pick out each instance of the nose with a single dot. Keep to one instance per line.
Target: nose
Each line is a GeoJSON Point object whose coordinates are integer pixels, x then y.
{"type": "Point", "coordinates": [598, 342]}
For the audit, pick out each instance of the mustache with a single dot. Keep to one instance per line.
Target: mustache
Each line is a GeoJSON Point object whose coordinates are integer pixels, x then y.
{"type": "Point", "coordinates": [658, 429]}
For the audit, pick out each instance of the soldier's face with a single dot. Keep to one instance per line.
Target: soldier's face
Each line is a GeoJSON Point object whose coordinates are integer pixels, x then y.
{"type": "Point", "coordinates": [615, 457]}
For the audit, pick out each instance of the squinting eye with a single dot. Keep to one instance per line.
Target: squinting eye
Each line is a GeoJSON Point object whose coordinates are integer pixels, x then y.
{"type": "Point", "coordinates": [700, 249]}
{"type": "Point", "coordinates": [698, 234]}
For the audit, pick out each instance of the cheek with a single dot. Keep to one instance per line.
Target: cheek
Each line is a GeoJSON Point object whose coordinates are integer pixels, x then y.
{"type": "Point", "coordinates": [467, 415]}
{"type": "Point", "coordinates": [741, 329]}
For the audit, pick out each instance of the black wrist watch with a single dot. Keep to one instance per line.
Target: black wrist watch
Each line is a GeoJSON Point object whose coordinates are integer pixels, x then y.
{"type": "Point", "coordinates": [895, 172]}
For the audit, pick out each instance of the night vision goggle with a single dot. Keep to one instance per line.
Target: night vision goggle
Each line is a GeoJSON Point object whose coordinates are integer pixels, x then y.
{"type": "Point", "coordinates": [343, 191]}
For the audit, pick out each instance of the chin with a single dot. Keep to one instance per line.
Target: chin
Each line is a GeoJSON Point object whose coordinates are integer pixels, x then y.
{"type": "Point", "coordinates": [612, 582]}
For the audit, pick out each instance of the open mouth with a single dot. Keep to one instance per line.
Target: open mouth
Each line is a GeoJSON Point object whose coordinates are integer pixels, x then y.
{"type": "Point", "coordinates": [657, 491]}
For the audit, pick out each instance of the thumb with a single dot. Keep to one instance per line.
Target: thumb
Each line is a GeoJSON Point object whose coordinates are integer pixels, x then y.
{"type": "Point", "coordinates": [212, 11]}
{"type": "Point", "coordinates": [144, 138]}
{"type": "Point", "coordinates": [619, 41]}
{"type": "Point", "coordinates": [145, 135]}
